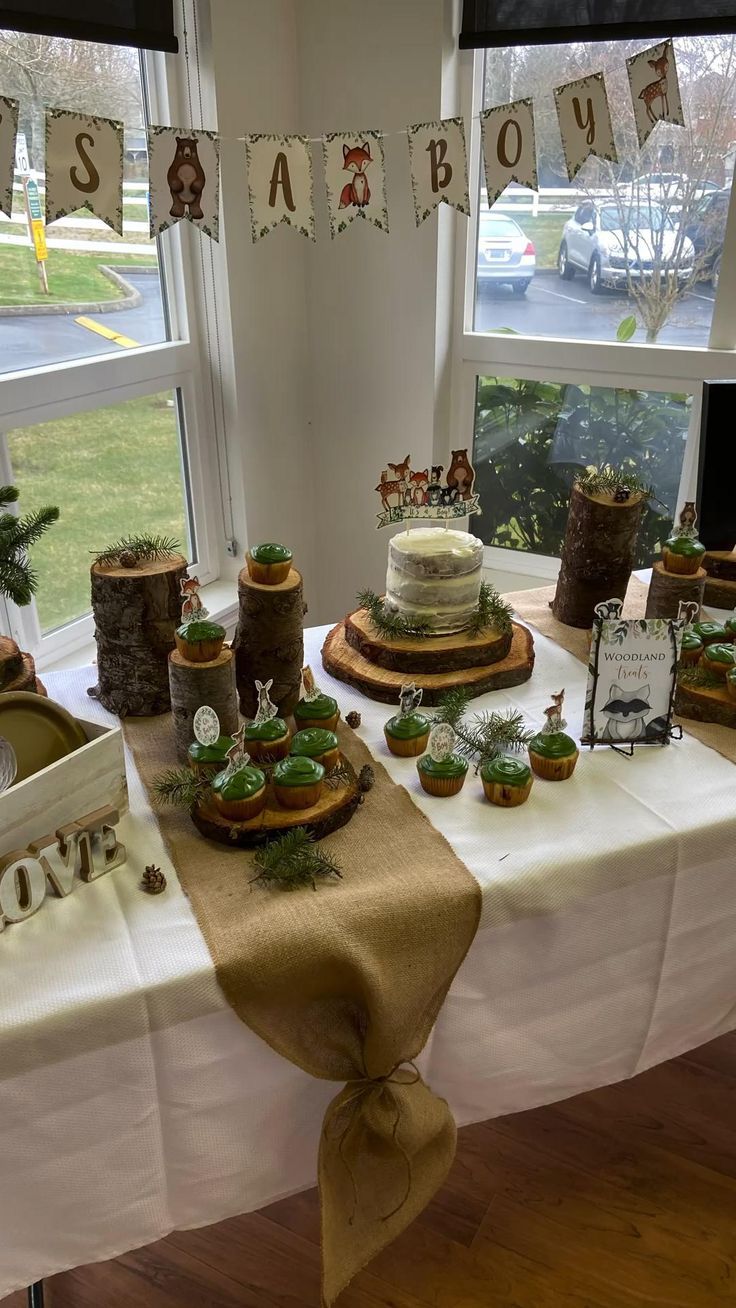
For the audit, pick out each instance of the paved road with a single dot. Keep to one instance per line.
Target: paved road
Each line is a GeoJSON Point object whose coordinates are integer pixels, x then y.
{"type": "Point", "coordinates": [552, 307]}
{"type": "Point", "coordinates": [32, 340]}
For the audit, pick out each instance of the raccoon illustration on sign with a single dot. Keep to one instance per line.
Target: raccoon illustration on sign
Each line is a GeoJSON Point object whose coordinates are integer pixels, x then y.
{"type": "Point", "coordinates": [632, 678]}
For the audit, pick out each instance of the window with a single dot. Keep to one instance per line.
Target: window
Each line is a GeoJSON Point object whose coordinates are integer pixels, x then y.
{"type": "Point", "coordinates": [587, 337]}
{"type": "Point", "coordinates": [103, 381]}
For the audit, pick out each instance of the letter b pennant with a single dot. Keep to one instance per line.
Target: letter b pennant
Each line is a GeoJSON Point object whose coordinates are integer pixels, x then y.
{"type": "Point", "coordinates": [509, 151]}
{"type": "Point", "coordinates": [84, 167]}
{"type": "Point", "coordinates": [280, 184]}
{"type": "Point", "coordinates": [439, 167]}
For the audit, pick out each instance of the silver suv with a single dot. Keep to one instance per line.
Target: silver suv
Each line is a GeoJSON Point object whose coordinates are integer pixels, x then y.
{"type": "Point", "coordinates": [611, 242]}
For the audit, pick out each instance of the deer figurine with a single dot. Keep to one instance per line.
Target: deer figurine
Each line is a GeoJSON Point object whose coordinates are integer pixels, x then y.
{"type": "Point", "coordinates": [657, 90]}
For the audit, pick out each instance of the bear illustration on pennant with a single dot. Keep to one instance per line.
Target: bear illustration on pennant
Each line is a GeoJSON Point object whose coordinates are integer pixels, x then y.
{"type": "Point", "coordinates": [186, 180]}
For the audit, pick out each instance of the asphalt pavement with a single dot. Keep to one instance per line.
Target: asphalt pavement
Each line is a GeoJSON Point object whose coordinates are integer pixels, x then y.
{"type": "Point", "coordinates": [552, 307]}
{"type": "Point", "coordinates": [35, 339]}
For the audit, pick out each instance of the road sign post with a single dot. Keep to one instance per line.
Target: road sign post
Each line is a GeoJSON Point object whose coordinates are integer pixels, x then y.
{"type": "Point", "coordinates": [34, 213]}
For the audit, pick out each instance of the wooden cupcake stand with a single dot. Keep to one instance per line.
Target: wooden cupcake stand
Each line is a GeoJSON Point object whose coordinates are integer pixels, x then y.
{"type": "Point", "coordinates": [356, 654]}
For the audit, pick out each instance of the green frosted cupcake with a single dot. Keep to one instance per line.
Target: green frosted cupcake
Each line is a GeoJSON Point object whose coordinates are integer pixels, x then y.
{"type": "Point", "coordinates": [322, 711]}
{"type": "Point", "coordinates": [267, 742]}
{"type": "Point", "coordinates": [317, 743]}
{"type": "Point", "coordinates": [199, 640]}
{"type": "Point", "coordinates": [730, 625]}
{"type": "Point", "coordinates": [710, 632]}
{"type": "Point", "coordinates": [683, 555]}
{"type": "Point", "coordinates": [209, 758]}
{"type": "Point", "coordinates": [269, 564]}
{"type": "Point", "coordinates": [719, 659]}
{"type": "Point", "coordinates": [407, 734]}
{"type": "Point", "coordinates": [297, 781]}
{"type": "Point", "coordinates": [690, 649]}
{"type": "Point", "coordinates": [240, 793]}
{"type": "Point", "coordinates": [553, 755]}
{"type": "Point", "coordinates": [506, 781]}
{"type": "Point", "coordinates": [442, 777]}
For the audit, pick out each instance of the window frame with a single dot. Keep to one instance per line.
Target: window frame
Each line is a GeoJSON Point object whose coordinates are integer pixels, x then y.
{"type": "Point", "coordinates": [556, 359]}
{"type": "Point", "coordinates": [182, 365]}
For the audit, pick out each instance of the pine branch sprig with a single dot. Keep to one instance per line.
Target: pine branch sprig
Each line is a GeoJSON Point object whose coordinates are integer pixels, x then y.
{"type": "Point", "coordinates": [492, 612]}
{"type": "Point", "coordinates": [341, 775]}
{"type": "Point", "coordinates": [18, 579]}
{"type": "Point", "coordinates": [391, 626]}
{"type": "Point", "coordinates": [292, 862]}
{"type": "Point", "coordinates": [180, 788]}
{"type": "Point", "coordinates": [698, 677]}
{"type": "Point", "coordinates": [485, 735]}
{"type": "Point", "coordinates": [144, 548]}
{"type": "Point", "coordinates": [607, 479]}
{"type": "Point", "coordinates": [9, 494]}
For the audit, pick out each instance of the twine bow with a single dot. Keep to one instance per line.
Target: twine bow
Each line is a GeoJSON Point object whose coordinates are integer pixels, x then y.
{"type": "Point", "coordinates": [367, 1085]}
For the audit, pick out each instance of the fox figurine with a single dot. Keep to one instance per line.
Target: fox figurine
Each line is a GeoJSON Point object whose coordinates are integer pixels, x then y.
{"type": "Point", "coordinates": [355, 161]}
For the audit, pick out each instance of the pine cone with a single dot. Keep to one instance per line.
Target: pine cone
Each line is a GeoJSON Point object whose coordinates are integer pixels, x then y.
{"type": "Point", "coordinates": [621, 495]}
{"type": "Point", "coordinates": [153, 880]}
{"type": "Point", "coordinates": [366, 778]}
{"type": "Point", "coordinates": [353, 719]}
{"type": "Point", "coordinates": [128, 559]}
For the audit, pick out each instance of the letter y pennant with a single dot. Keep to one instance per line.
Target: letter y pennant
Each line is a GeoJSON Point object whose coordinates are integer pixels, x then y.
{"type": "Point", "coordinates": [280, 184]}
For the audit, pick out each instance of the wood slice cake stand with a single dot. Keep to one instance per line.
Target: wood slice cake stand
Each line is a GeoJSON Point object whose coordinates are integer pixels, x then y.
{"type": "Point", "coordinates": [352, 651]}
{"type": "Point", "coordinates": [706, 704]}
{"type": "Point", "coordinates": [335, 808]}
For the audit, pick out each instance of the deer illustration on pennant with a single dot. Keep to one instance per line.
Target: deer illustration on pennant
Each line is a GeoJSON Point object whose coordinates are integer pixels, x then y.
{"type": "Point", "coordinates": [655, 99]}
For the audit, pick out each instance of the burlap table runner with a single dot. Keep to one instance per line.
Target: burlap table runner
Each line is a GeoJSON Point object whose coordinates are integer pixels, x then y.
{"type": "Point", "coordinates": [532, 606]}
{"type": "Point", "coordinates": [346, 983]}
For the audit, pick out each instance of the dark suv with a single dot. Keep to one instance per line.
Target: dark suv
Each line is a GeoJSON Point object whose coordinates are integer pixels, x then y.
{"type": "Point", "coordinates": [707, 230]}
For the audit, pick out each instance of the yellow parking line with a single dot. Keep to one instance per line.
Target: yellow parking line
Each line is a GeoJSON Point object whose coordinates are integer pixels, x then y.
{"type": "Point", "coordinates": [125, 341]}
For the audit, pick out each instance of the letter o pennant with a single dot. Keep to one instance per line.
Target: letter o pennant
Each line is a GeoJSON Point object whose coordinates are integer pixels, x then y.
{"type": "Point", "coordinates": [84, 167]}
{"type": "Point", "coordinates": [509, 151]}
{"type": "Point", "coordinates": [280, 184]}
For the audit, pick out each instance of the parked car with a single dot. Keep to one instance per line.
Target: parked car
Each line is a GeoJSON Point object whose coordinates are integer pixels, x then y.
{"type": "Point", "coordinates": [594, 243]}
{"type": "Point", "coordinates": [505, 253]}
{"type": "Point", "coordinates": [707, 231]}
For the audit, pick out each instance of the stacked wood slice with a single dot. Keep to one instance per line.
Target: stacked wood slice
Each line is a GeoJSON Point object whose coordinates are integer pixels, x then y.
{"type": "Point", "coordinates": [720, 585]}
{"type": "Point", "coordinates": [597, 554]}
{"type": "Point", "coordinates": [354, 652]}
{"type": "Point", "coordinates": [17, 670]}
{"type": "Point", "coordinates": [194, 684]}
{"type": "Point", "coordinates": [668, 589]}
{"type": "Point", "coordinates": [136, 612]}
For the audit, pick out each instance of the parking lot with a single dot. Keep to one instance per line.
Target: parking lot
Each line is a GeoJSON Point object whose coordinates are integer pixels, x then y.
{"type": "Point", "coordinates": [552, 307]}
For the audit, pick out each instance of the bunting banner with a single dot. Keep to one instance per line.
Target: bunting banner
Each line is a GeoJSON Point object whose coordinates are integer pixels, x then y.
{"type": "Point", "coordinates": [438, 163]}
{"type": "Point", "coordinates": [655, 89]}
{"type": "Point", "coordinates": [8, 133]}
{"type": "Point", "coordinates": [184, 179]}
{"type": "Point", "coordinates": [84, 167]}
{"type": "Point", "coordinates": [509, 150]}
{"type": "Point", "coordinates": [585, 122]}
{"type": "Point", "coordinates": [355, 179]}
{"type": "Point", "coordinates": [280, 184]}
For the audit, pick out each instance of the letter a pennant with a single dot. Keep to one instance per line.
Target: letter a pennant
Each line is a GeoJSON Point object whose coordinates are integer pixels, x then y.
{"type": "Point", "coordinates": [84, 167]}
{"type": "Point", "coordinates": [439, 167]}
{"type": "Point", "coordinates": [183, 179]}
{"type": "Point", "coordinates": [280, 184]}
{"type": "Point", "coordinates": [585, 122]}
{"type": "Point", "coordinates": [509, 151]}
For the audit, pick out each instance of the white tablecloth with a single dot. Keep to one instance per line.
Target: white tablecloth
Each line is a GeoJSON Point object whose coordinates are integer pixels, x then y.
{"type": "Point", "coordinates": [133, 1101]}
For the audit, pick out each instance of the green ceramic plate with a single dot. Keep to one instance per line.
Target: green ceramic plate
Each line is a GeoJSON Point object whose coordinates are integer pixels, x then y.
{"type": "Point", "coordinates": [40, 731]}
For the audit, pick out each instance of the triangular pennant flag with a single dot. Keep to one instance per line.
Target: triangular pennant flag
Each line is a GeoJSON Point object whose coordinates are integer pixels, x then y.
{"type": "Point", "coordinates": [585, 122]}
{"type": "Point", "coordinates": [439, 167]}
{"type": "Point", "coordinates": [84, 167]}
{"type": "Point", "coordinates": [280, 184]}
{"type": "Point", "coordinates": [8, 134]}
{"type": "Point", "coordinates": [355, 178]}
{"type": "Point", "coordinates": [184, 179]}
{"type": "Point", "coordinates": [509, 151]}
{"type": "Point", "coordinates": [655, 89]}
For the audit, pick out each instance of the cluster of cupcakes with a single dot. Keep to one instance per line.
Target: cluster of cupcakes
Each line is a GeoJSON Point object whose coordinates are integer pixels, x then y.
{"type": "Point", "coordinates": [711, 645]}
{"type": "Point", "coordinates": [507, 780]}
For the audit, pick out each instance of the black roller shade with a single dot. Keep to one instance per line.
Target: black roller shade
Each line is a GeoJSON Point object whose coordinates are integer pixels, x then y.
{"type": "Point", "coordinates": [148, 24]}
{"type": "Point", "coordinates": [550, 22]}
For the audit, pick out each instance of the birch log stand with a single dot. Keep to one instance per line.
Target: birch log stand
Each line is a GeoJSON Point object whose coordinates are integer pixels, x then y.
{"type": "Point", "coordinates": [667, 589]}
{"type": "Point", "coordinates": [597, 554]}
{"type": "Point", "coordinates": [269, 641]}
{"type": "Point", "coordinates": [195, 684]}
{"type": "Point", "coordinates": [136, 612]}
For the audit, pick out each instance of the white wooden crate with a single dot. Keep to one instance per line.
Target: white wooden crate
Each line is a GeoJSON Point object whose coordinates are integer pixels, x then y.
{"type": "Point", "coordinates": [90, 778]}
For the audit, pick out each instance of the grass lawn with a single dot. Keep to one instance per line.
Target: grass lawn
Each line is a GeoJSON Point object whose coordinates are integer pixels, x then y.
{"type": "Point", "coordinates": [546, 232]}
{"type": "Point", "coordinates": [72, 277]}
{"type": "Point", "coordinates": [91, 465]}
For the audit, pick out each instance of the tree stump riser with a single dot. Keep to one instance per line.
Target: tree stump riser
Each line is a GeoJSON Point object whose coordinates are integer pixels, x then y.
{"type": "Point", "coordinates": [668, 589]}
{"type": "Point", "coordinates": [431, 654]}
{"type": "Point", "coordinates": [720, 594]}
{"type": "Point", "coordinates": [597, 556]}
{"type": "Point", "coordinates": [269, 641]}
{"type": "Point", "coordinates": [194, 684]}
{"type": "Point", "coordinates": [706, 704]}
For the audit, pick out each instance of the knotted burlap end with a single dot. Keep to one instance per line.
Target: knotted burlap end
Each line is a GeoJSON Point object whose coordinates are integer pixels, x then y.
{"type": "Point", "coordinates": [387, 1145]}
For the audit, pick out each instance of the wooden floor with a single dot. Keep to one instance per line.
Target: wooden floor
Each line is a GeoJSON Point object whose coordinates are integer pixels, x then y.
{"type": "Point", "coordinates": [619, 1198]}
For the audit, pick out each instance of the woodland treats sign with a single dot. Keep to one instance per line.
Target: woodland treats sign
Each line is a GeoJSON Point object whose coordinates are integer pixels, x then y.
{"type": "Point", "coordinates": [56, 864]}
{"type": "Point", "coordinates": [632, 678]}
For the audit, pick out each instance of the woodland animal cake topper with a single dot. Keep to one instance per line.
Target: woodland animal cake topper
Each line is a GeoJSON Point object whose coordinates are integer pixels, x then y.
{"type": "Point", "coordinates": [409, 699]}
{"type": "Point", "coordinates": [192, 606]}
{"type": "Point", "coordinates": [311, 689]}
{"type": "Point", "coordinates": [407, 494]}
{"type": "Point", "coordinates": [554, 720]}
{"type": "Point", "coordinates": [266, 709]}
{"type": "Point", "coordinates": [687, 520]}
{"type": "Point", "coordinates": [442, 740]}
{"type": "Point", "coordinates": [688, 611]}
{"type": "Point", "coordinates": [237, 755]}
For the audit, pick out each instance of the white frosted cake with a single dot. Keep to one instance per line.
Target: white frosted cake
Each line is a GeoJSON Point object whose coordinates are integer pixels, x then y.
{"type": "Point", "coordinates": [434, 577]}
